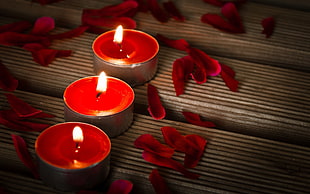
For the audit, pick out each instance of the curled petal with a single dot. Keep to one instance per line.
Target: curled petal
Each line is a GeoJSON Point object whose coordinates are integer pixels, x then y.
{"type": "Point", "coordinates": [7, 81]}
{"type": "Point", "coordinates": [191, 161]}
{"type": "Point", "coordinates": [219, 23]}
{"type": "Point", "coordinates": [268, 25]}
{"type": "Point", "coordinates": [171, 8]}
{"type": "Point", "coordinates": [179, 44]}
{"type": "Point", "coordinates": [126, 22]}
{"type": "Point", "coordinates": [228, 75]}
{"type": "Point", "coordinates": [181, 69]}
{"type": "Point", "coordinates": [169, 163]}
{"type": "Point", "coordinates": [18, 39]}
{"type": "Point", "coordinates": [15, 27]}
{"type": "Point", "coordinates": [43, 25]}
{"type": "Point", "coordinates": [195, 119]}
{"type": "Point", "coordinates": [155, 108]}
{"type": "Point", "coordinates": [120, 187]}
{"type": "Point", "coordinates": [158, 183]}
{"type": "Point", "coordinates": [149, 143]}
{"type": "Point", "coordinates": [157, 11]}
{"type": "Point", "coordinates": [199, 74]}
{"type": "Point", "coordinates": [24, 155]}
{"type": "Point", "coordinates": [230, 11]}
{"type": "Point", "coordinates": [70, 34]}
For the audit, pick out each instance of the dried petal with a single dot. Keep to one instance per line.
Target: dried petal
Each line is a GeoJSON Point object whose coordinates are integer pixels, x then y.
{"type": "Point", "coordinates": [126, 22]}
{"type": "Point", "coordinates": [157, 11]}
{"type": "Point", "coordinates": [230, 11]}
{"type": "Point", "coordinates": [195, 119]}
{"type": "Point", "coordinates": [24, 155]}
{"type": "Point", "coordinates": [18, 39]}
{"type": "Point", "coordinates": [155, 108]}
{"type": "Point", "coordinates": [179, 44]}
{"type": "Point", "coordinates": [158, 183]}
{"type": "Point", "coordinates": [228, 75]}
{"type": "Point", "coordinates": [268, 25]}
{"type": "Point", "coordinates": [169, 163]}
{"type": "Point", "coordinates": [7, 81]}
{"type": "Point", "coordinates": [43, 25]}
{"type": "Point", "coordinates": [120, 187]}
{"type": "Point", "coordinates": [172, 9]}
{"type": "Point", "coordinates": [191, 161]}
{"type": "Point", "coordinates": [15, 27]}
{"type": "Point", "coordinates": [181, 69]}
{"type": "Point", "coordinates": [70, 34]}
{"type": "Point", "coordinates": [149, 143]}
{"type": "Point", "coordinates": [218, 22]}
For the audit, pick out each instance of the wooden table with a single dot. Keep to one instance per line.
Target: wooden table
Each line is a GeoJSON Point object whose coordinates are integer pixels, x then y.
{"type": "Point", "coordinates": [261, 142]}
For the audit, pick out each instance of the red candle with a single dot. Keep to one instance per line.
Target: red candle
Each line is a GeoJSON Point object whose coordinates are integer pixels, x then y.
{"type": "Point", "coordinates": [111, 110]}
{"type": "Point", "coordinates": [67, 162]}
{"type": "Point", "coordinates": [132, 58]}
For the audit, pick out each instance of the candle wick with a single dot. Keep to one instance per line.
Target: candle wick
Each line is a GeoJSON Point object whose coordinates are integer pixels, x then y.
{"type": "Point", "coordinates": [98, 94]}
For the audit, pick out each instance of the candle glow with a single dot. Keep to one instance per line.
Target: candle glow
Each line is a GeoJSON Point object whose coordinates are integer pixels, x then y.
{"type": "Point", "coordinates": [118, 36]}
{"type": "Point", "coordinates": [102, 83]}
{"type": "Point", "coordinates": [77, 134]}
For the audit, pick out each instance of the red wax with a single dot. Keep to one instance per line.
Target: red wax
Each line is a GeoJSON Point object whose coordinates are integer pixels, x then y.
{"type": "Point", "coordinates": [136, 47]}
{"type": "Point", "coordinates": [81, 97]}
{"type": "Point", "coordinates": [56, 146]}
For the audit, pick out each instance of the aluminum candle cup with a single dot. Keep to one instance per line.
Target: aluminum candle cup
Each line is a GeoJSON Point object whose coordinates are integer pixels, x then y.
{"type": "Point", "coordinates": [134, 60]}
{"type": "Point", "coordinates": [69, 164]}
{"type": "Point", "coordinates": [111, 111]}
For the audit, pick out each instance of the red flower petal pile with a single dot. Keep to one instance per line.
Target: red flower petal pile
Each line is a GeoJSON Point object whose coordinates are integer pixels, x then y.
{"type": "Point", "coordinates": [120, 187]}
{"type": "Point", "coordinates": [158, 183]}
{"type": "Point", "coordinates": [268, 25]}
{"type": "Point", "coordinates": [155, 108]}
{"type": "Point", "coordinates": [38, 39]}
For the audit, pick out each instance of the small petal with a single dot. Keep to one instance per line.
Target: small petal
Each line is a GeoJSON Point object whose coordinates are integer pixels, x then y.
{"type": "Point", "coordinates": [45, 57]}
{"type": "Point", "coordinates": [218, 3]}
{"type": "Point", "coordinates": [169, 163]}
{"type": "Point", "coordinates": [172, 9]}
{"type": "Point", "coordinates": [155, 108]}
{"type": "Point", "coordinates": [149, 143]}
{"type": "Point", "coordinates": [158, 183]}
{"type": "Point", "coordinates": [157, 11]}
{"type": "Point", "coordinates": [70, 34]}
{"type": "Point", "coordinates": [33, 47]}
{"type": "Point", "coordinates": [18, 39]}
{"type": "Point", "coordinates": [219, 23]}
{"type": "Point", "coordinates": [45, 2]}
{"type": "Point", "coordinates": [120, 187]}
{"type": "Point", "coordinates": [24, 155]}
{"type": "Point", "coordinates": [115, 10]}
{"type": "Point", "coordinates": [179, 44]}
{"type": "Point", "coordinates": [191, 161]}
{"type": "Point", "coordinates": [268, 25]}
{"type": "Point", "coordinates": [113, 22]}
{"type": "Point", "coordinates": [15, 27]}
{"type": "Point", "coordinates": [230, 11]}
{"type": "Point", "coordinates": [199, 75]}
{"type": "Point", "coordinates": [181, 69]}
{"type": "Point", "coordinates": [43, 25]}
{"type": "Point", "coordinates": [7, 81]}
{"type": "Point", "coordinates": [228, 75]}
{"type": "Point", "coordinates": [195, 119]}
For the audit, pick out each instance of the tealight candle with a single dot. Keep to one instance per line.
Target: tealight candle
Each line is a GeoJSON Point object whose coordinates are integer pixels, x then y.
{"type": "Point", "coordinates": [130, 55]}
{"type": "Point", "coordinates": [103, 101]}
{"type": "Point", "coordinates": [73, 156]}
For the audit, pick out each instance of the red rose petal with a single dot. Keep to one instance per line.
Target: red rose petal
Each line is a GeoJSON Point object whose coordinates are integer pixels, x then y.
{"type": "Point", "coordinates": [126, 22]}
{"type": "Point", "coordinates": [228, 75]}
{"type": "Point", "coordinates": [202, 60]}
{"type": "Point", "coordinates": [181, 69]}
{"type": "Point", "coordinates": [15, 27]}
{"type": "Point", "coordinates": [158, 183]}
{"type": "Point", "coordinates": [195, 119]}
{"type": "Point", "coordinates": [70, 34]}
{"type": "Point", "coordinates": [117, 10]}
{"type": "Point", "coordinates": [149, 143]}
{"type": "Point", "coordinates": [179, 44]}
{"type": "Point", "coordinates": [96, 29]}
{"type": "Point", "coordinates": [33, 47]}
{"type": "Point", "coordinates": [155, 108]}
{"type": "Point", "coordinates": [46, 56]}
{"type": "Point", "coordinates": [230, 11]}
{"type": "Point", "coordinates": [120, 187]}
{"type": "Point", "coordinates": [171, 8]}
{"type": "Point", "coordinates": [18, 39]}
{"type": "Point", "coordinates": [24, 155]}
{"type": "Point", "coordinates": [7, 81]}
{"type": "Point", "coordinates": [268, 25]}
{"type": "Point", "coordinates": [191, 161]}
{"type": "Point", "coordinates": [45, 2]}
{"type": "Point", "coordinates": [218, 22]}
{"type": "Point", "coordinates": [169, 163]}
{"type": "Point", "coordinates": [43, 25]}
{"type": "Point", "coordinates": [157, 11]}
{"type": "Point", "coordinates": [199, 74]}
{"type": "Point", "coordinates": [218, 3]}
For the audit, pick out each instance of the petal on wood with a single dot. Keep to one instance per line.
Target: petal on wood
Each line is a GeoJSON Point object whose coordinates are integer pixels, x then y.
{"type": "Point", "coordinates": [196, 120]}
{"type": "Point", "coordinates": [170, 7]}
{"type": "Point", "coordinates": [191, 160]}
{"type": "Point", "coordinates": [268, 24]}
{"type": "Point", "coordinates": [228, 76]}
{"type": "Point", "coordinates": [120, 187]}
{"type": "Point", "coordinates": [181, 70]}
{"type": "Point", "coordinates": [43, 25]}
{"type": "Point", "coordinates": [155, 108]}
{"type": "Point", "coordinates": [7, 81]}
{"type": "Point", "coordinates": [158, 183]}
{"type": "Point", "coordinates": [15, 27]}
{"type": "Point", "coordinates": [180, 44]}
{"type": "Point", "coordinates": [157, 11]}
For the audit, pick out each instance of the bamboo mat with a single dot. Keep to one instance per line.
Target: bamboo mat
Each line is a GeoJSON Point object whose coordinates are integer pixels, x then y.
{"type": "Point", "coordinates": [231, 162]}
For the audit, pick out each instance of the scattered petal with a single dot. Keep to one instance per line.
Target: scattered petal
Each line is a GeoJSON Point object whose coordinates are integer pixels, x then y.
{"type": "Point", "coordinates": [268, 25]}
{"type": "Point", "coordinates": [157, 11]}
{"type": "Point", "coordinates": [155, 108]}
{"type": "Point", "coordinates": [218, 22]}
{"type": "Point", "coordinates": [45, 2]}
{"type": "Point", "coordinates": [126, 22]}
{"type": "Point", "coordinates": [43, 25]}
{"type": "Point", "coordinates": [228, 75]}
{"type": "Point", "coordinates": [191, 161]}
{"type": "Point", "coordinates": [120, 187]}
{"type": "Point", "coordinates": [70, 34]}
{"type": "Point", "coordinates": [33, 47]}
{"type": "Point", "coordinates": [158, 183]}
{"type": "Point", "coordinates": [195, 119]}
{"type": "Point", "coordinates": [181, 69]}
{"type": "Point", "coordinates": [220, 3]}
{"type": "Point", "coordinates": [179, 44]}
{"type": "Point", "coordinates": [169, 163]}
{"type": "Point", "coordinates": [46, 56]}
{"type": "Point", "coordinates": [7, 81]}
{"type": "Point", "coordinates": [15, 27]}
{"type": "Point", "coordinates": [230, 11]}
{"type": "Point", "coordinates": [199, 74]}
{"type": "Point", "coordinates": [150, 144]}
{"type": "Point", "coordinates": [18, 39]}
{"type": "Point", "coordinates": [24, 155]}
{"type": "Point", "coordinates": [171, 8]}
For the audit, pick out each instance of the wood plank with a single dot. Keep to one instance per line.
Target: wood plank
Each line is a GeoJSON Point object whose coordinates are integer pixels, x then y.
{"type": "Point", "coordinates": [231, 163]}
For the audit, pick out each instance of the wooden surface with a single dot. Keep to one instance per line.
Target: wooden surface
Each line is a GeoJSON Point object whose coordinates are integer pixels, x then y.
{"type": "Point", "coordinates": [261, 142]}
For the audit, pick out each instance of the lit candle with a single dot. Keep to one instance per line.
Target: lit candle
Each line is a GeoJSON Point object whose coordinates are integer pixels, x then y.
{"type": "Point", "coordinates": [73, 156]}
{"type": "Point", "coordinates": [130, 55]}
{"type": "Point", "coordinates": [105, 102]}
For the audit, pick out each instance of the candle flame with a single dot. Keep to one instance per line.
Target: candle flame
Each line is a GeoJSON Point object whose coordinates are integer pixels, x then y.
{"type": "Point", "coordinates": [118, 36]}
{"type": "Point", "coordinates": [77, 134]}
{"type": "Point", "coordinates": [102, 83]}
